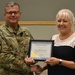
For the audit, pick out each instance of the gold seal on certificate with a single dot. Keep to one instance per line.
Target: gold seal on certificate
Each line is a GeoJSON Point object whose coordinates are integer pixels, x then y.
{"type": "Point", "coordinates": [40, 50]}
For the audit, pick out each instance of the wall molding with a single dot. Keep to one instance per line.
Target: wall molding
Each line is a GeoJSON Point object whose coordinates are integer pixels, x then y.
{"type": "Point", "coordinates": [33, 22]}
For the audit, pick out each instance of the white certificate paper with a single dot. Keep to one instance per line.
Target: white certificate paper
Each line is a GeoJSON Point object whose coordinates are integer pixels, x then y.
{"type": "Point", "coordinates": [41, 49]}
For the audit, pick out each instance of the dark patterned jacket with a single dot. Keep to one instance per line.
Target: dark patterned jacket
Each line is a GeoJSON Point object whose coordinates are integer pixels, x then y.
{"type": "Point", "coordinates": [13, 49]}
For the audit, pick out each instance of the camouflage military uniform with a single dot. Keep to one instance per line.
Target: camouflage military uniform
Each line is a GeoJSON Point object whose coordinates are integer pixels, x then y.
{"type": "Point", "coordinates": [13, 49]}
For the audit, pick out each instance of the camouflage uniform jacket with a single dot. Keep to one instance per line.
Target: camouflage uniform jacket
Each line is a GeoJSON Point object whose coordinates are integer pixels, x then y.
{"type": "Point", "coordinates": [13, 49]}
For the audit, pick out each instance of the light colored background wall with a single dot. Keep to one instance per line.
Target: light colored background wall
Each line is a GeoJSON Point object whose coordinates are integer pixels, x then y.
{"type": "Point", "coordinates": [40, 10]}
{"type": "Point", "coordinates": [43, 32]}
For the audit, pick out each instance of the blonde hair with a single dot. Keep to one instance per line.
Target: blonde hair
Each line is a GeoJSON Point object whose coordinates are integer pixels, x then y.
{"type": "Point", "coordinates": [66, 13]}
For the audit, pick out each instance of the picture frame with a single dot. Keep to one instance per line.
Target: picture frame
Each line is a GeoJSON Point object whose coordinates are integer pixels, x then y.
{"type": "Point", "coordinates": [40, 50]}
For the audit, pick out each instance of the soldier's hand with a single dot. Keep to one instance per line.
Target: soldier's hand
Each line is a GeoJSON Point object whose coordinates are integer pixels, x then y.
{"type": "Point", "coordinates": [29, 61]}
{"type": "Point", "coordinates": [37, 69]}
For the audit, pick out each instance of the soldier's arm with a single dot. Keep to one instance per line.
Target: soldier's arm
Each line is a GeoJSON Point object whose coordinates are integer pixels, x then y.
{"type": "Point", "coordinates": [9, 60]}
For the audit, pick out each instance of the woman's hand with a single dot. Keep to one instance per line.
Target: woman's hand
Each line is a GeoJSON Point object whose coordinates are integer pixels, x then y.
{"type": "Point", "coordinates": [52, 61]}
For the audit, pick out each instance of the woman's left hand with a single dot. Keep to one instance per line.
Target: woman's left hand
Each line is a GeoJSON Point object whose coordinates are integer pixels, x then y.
{"type": "Point", "coordinates": [52, 61]}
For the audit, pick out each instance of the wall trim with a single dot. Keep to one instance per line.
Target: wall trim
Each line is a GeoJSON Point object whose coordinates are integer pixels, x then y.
{"type": "Point", "coordinates": [34, 22]}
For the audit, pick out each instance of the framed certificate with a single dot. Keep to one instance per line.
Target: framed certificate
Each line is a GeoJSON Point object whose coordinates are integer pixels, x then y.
{"type": "Point", "coordinates": [40, 50]}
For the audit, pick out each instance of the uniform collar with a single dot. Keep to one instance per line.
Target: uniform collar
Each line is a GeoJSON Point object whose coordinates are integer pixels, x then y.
{"type": "Point", "coordinates": [11, 30]}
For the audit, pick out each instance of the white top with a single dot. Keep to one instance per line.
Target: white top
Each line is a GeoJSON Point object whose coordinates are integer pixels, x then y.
{"type": "Point", "coordinates": [70, 41]}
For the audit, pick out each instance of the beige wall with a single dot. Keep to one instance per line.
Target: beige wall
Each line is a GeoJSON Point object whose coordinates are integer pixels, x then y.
{"type": "Point", "coordinates": [44, 31]}
{"type": "Point", "coordinates": [40, 10]}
